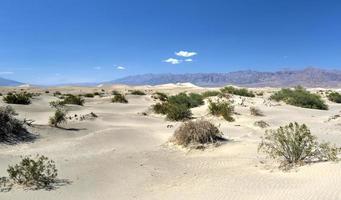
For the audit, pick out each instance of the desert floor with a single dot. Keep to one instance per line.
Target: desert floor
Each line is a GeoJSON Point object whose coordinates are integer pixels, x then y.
{"type": "Point", "coordinates": [123, 154]}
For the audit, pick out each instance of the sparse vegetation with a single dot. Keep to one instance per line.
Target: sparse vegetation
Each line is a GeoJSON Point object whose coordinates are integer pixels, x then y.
{"type": "Point", "coordinates": [195, 133]}
{"type": "Point", "coordinates": [137, 92]}
{"type": "Point", "coordinates": [119, 98]}
{"type": "Point", "coordinates": [115, 92]}
{"type": "Point", "coordinates": [237, 91]}
{"type": "Point", "coordinates": [256, 112]}
{"type": "Point", "coordinates": [33, 172]}
{"type": "Point", "coordinates": [160, 108]}
{"type": "Point", "coordinates": [221, 108]}
{"type": "Point", "coordinates": [57, 93]}
{"type": "Point", "coordinates": [190, 101]}
{"type": "Point", "coordinates": [89, 95]}
{"type": "Point", "coordinates": [20, 98]}
{"type": "Point", "coordinates": [46, 91]}
{"type": "Point", "coordinates": [334, 97]}
{"type": "Point", "coordinates": [294, 144]}
{"type": "Point", "coordinates": [300, 97]}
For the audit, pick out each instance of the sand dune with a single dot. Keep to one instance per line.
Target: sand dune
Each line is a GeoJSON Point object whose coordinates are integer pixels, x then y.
{"type": "Point", "coordinates": [125, 155]}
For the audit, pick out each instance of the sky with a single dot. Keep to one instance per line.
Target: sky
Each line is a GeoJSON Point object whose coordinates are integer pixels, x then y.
{"type": "Point", "coordinates": [71, 41]}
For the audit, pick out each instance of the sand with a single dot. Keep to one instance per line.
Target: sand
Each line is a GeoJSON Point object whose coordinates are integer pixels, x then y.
{"type": "Point", "coordinates": [123, 154]}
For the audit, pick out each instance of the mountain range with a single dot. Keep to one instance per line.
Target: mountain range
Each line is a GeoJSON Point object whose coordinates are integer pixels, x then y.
{"type": "Point", "coordinates": [308, 77]}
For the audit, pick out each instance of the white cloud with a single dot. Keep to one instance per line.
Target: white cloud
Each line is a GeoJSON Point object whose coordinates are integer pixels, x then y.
{"type": "Point", "coordinates": [185, 53]}
{"type": "Point", "coordinates": [172, 61]}
{"type": "Point", "coordinates": [97, 68]}
{"type": "Point", "coordinates": [120, 68]}
{"type": "Point", "coordinates": [4, 73]}
{"type": "Point", "coordinates": [188, 60]}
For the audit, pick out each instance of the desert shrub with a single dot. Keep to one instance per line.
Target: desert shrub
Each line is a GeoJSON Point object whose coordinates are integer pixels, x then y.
{"type": "Point", "coordinates": [96, 93]}
{"type": "Point", "coordinates": [37, 172]}
{"type": "Point", "coordinates": [178, 112]}
{"type": "Point", "coordinates": [57, 93]}
{"type": "Point", "coordinates": [300, 97]}
{"type": "Point", "coordinates": [119, 98]}
{"type": "Point", "coordinates": [237, 91]}
{"type": "Point", "coordinates": [137, 92]}
{"type": "Point", "coordinates": [256, 112]}
{"type": "Point", "coordinates": [160, 108]}
{"type": "Point", "coordinates": [190, 101]}
{"type": "Point", "coordinates": [260, 93]}
{"type": "Point", "coordinates": [20, 98]}
{"type": "Point", "coordinates": [198, 132]}
{"type": "Point", "coordinates": [58, 118]}
{"type": "Point", "coordinates": [221, 108]}
{"type": "Point", "coordinates": [89, 95]}
{"type": "Point", "coordinates": [261, 124]}
{"type": "Point", "coordinates": [294, 144]}
{"type": "Point", "coordinates": [161, 96]}
{"type": "Point", "coordinates": [115, 92]}
{"type": "Point", "coordinates": [334, 97]}
{"type": "Point", "coordinates": [211, 93]}
{"type": "Point", "coordinates": [73, 99]}
{"type": "Point", "coordinates": [46, 91]}
{"type": "Point", "coordinates": [10, 127]}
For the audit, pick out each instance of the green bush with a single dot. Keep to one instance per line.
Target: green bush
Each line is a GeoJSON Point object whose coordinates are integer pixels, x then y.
{"type": "Point", "coordinates": [46, 91]}
{"type": "Point", "coordinates": [89, 95]}
{"type": "Point", "coordinates": [178, 112]}
{"type": "Point", "coordinates": [38, 172]}
{"type": "Point", "coordinates": [115, 92]}
{"type": "Point", "coordinates": [10, 127]}
{"type": "Point", "coordinates": [21, 98]}
{"type": "Point", "coordinates": [190, 101]}
{"type": "Point", "coordinates": [58, 118]}
{"type": "Point", "coordinates": [334, 97]}
{"type": "Point", "coordinates": [300, 97]}
{"type": "Point", "coordinates": [211, 93]}
{"type": "Point", "coordinates": [57, 93]}
{"type": "Point", "coordinates": [221, 108]}
{"type": "Point", "coordinates": [198, 132]}
{"type": "Point", "coordinates": [96, 93]}
{"type": "Point", "coordinates": [294, 144]}
{"type": "Point", "coordinates": [137, 92]}
{"type": "Point", "coordinates": [241, 92]}
{"type": "Point", "coordinates": [161, 96]}
{"type": "Point", "coordinates": [73, 99]}
{"type": "Point", "coordinates": [119, 98]}
{"type": "Point", "coordinates": [160, 108]}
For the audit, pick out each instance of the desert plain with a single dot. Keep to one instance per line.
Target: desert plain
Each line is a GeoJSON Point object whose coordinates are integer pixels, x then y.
{"type": "Point", "coordinates": [125, 152]}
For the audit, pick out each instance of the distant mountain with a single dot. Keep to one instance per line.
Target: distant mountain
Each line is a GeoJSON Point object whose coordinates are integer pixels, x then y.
{"type": "Point", "coordinates": [309, 77]}
{"type": "Point", "coordinates": [7, 82]}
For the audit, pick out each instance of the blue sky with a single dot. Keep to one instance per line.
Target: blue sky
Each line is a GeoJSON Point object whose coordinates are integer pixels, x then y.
{"type": "Point", "coordinates": [49, 41]}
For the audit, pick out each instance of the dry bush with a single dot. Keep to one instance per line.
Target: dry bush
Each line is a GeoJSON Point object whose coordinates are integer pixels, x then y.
{"type": "Point", "coordinates": [294, 145]}
{"type": "Point", "coordinates": [256, 112]}
{"type": "Point", "coordinates": [198, 132]}
{"type": "Point", "coordinates": [261, 124]}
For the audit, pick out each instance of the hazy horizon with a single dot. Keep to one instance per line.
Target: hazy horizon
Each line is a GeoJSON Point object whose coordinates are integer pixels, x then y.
{"type": "Point", "coordinates": [55, 42]}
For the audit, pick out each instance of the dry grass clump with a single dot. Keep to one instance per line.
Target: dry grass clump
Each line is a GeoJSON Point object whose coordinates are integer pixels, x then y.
{"type": "Point", "coordinates": [37, 172]}
{"type": "Point", "coordinates": [261, 124]}
{"type": "Point", "coordinates": [256, 112]}
{"type": "Point", "coordinates": [294, 145]}
{"type": "Point", "coordinates": [119, 98]}
{"type": "Point", "coordinates": [194, 133]}
{"type": "Point", "coordinates": [221, 108]}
